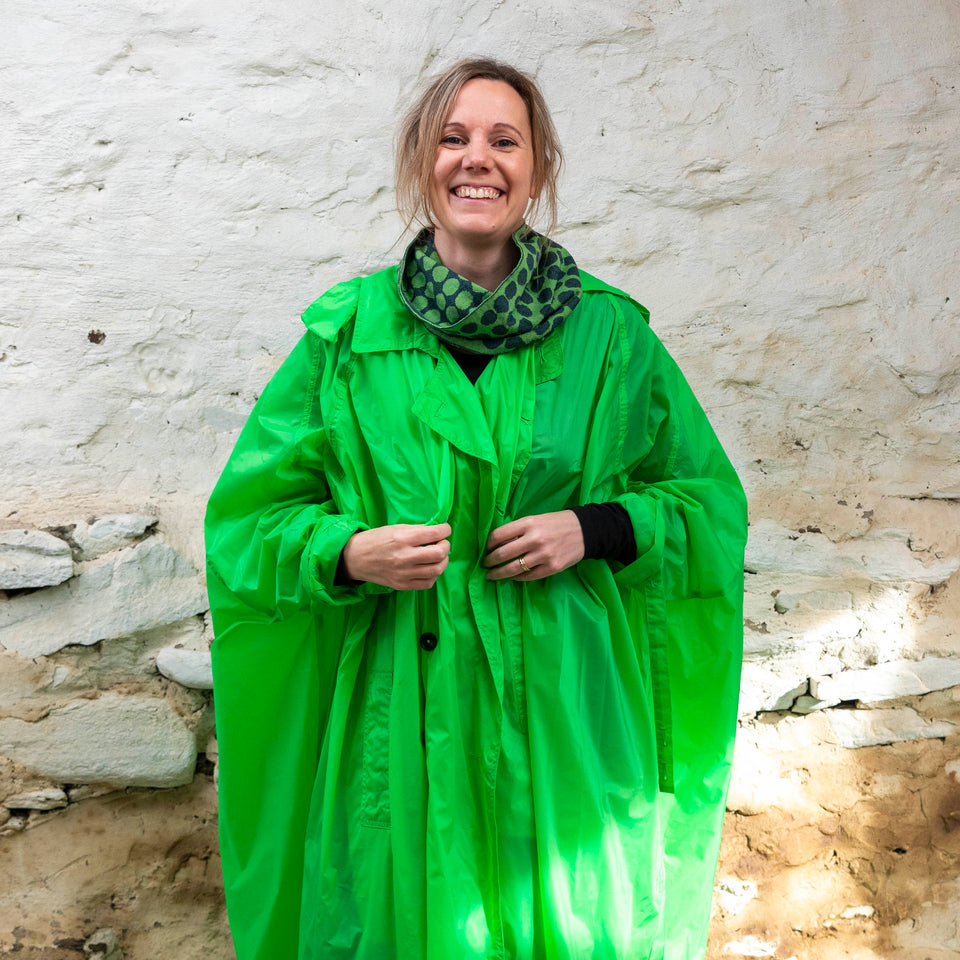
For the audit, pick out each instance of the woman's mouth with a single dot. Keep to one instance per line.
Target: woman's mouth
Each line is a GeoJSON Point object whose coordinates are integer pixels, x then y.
{"type": "Point", "coordinates": [477, 193]}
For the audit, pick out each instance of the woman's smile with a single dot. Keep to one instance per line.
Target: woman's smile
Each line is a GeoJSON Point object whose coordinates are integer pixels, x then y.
{"type": "Point", "coordinates": [477, 193]}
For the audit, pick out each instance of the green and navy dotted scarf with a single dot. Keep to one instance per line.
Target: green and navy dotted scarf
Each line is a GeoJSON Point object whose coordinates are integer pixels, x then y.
{"type": "Point", "coordinates": [538, 295]}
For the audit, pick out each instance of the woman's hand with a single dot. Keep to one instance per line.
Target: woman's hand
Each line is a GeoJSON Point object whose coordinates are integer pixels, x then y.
{"type": "Point", "coordinates": [546, 543]}
{"type": "Point", "coordinates": [404, 556]}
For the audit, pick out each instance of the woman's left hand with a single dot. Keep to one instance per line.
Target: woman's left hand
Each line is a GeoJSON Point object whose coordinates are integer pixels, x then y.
{"type": "Point", "coordinates": [546, 543]}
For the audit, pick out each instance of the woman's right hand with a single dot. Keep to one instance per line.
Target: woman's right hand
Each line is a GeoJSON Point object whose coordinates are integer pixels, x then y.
{"type": "Point", "coordinates": [404, 556]}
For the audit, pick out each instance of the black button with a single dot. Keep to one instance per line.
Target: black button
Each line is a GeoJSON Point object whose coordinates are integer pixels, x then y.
{"type": "Point", "coordinates": [428, 641]}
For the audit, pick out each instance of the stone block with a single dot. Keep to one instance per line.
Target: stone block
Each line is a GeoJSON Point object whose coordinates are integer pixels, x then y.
{"type": "Point", "coordinates": [136, 589]}
{"type": "Point", "coordinates": [772, 548]}
{"type": "Point", "coordinates": [103, 534]}
{"type": "Point", "coordinates": [871, 728]}
{"type": "Point", "coordinates": [51, 798]}
{"type": "Point", "coordinates": [82, 669]}
{"type": "Point", "coordinates": [805, 705]}
{"type": "Point", "coordinates": [814, 599]}
{"type": "Point", "coordinates": [887, 681]}
{"type": "Point", "coordinates": [776, 683]}
{"type": "Point", "coordinates": [767, 687]}
{"type": "Point", "coordinates": [133, 741]}
{"type": "Point", "coordinates": [810, 631]}
{"type": "Point", "coordinates": [33, 558]}
{"type": "Point", "coordinates": [189, 668]}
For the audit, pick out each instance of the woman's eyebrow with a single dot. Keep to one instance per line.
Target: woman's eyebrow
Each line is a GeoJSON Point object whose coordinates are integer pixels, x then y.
{"type": "Point", "coordinates": [499, 125]}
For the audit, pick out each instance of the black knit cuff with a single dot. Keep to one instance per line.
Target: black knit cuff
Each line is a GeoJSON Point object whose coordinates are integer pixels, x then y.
{"type": "Point", "coordinates": [607, 532]}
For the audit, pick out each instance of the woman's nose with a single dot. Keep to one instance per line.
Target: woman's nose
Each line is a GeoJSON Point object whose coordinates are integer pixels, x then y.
{"type": "Point", "coordinates": [477, 155]}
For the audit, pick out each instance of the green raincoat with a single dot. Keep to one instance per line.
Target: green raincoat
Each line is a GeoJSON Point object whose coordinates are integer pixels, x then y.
{"type": "Point", "coordinates": [510, 770]}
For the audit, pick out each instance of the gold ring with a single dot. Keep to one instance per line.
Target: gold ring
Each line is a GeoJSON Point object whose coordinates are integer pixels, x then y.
{"type": "Point", "coordinates": [523, 566]}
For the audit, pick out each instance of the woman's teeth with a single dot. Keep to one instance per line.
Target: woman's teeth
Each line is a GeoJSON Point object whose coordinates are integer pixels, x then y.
{"type": "Point", "coordinates": [477, 193]}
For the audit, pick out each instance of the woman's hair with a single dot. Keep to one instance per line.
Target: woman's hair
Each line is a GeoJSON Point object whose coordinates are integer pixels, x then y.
{"type": "Point", "coordinates": [419, 137]}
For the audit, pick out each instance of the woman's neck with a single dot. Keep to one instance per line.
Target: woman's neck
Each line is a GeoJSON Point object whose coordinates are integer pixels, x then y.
{"type": "Point", "coordinates": [487, 267]}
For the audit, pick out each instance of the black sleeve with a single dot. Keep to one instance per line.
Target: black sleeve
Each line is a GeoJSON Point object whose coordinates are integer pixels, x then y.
{"type": "Point", "coordinates": [342, 578]}
{"type": "Point", "coordinates": [607, 532]}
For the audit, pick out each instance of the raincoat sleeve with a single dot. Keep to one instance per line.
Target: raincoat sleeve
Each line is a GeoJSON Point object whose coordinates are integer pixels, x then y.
{"type": "Point", "coordinates": [684, 596]}
{"type": "Point", "coordinates": [273, 535]}
{"type": "Point", "coordinates": [685, 501]}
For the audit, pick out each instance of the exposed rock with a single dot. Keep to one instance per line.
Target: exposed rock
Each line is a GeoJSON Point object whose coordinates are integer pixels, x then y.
{"type": "Point", "coordinates": [213, 755]}
{"type": "Point", "coordinates": [142, 862]}
{"type": "Point", "coordinates": [732, 896]}
{"type": "Point", "coordinates": [765, 688]}
{"type": "Point", "coordinates": [806, 631]}
{"type": "Point", "coordinates": [23, 684]}
{"type": "Point", "coordinates": [773, 548]}
{"type": "Point", "coordinates": [104, 945]}
{"type": "Point", "coordinates": [127, 741]}
{"type": "Point", "coordinates": [14, 824]}
{"type": "Point", "coordinates": [88, 791]}
{"type": "Point", "coordinates": [851, 913]}
{"type": "Point", "coordinates": [50, 799]}
{"type": "Point", "coordinates": [814, 599]}
{"type": "Point", "coordinates": [887, 681]}
{"type": "Point", "coordinates": [103, 534]}
{"type": "Point", "coordinates": [808, 705]}
{"type": "Point", "coordinates": [189, 668]}
{"type": "Point", "coordinates": [132, 659]}
{"type": "Point", "coordinates": [867, 728]}
{"type": "Point", "coordinates": [136, 589]}
{"type": "Point", "coordinates": [776, 683]}
{"type": "Point", "coordinates": [33, 558]}
{"type": "Point", "coordinates": [751, 947]}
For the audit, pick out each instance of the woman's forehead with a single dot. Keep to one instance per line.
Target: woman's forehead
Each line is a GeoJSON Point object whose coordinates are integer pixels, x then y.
{"type": "Point", "coordinates": [490, 102]}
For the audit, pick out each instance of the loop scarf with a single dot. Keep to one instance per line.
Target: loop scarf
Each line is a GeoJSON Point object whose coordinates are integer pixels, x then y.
{"type": "Point", "coordinates": [533, 301]}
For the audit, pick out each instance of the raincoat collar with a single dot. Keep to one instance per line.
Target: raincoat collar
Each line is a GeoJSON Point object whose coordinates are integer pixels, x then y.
{"type": "Point", "coordinates": [384, 323]}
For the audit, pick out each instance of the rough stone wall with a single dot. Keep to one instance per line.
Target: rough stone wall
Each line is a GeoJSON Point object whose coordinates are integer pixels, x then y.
{"type": "Point", "coordinates": [776, 180]}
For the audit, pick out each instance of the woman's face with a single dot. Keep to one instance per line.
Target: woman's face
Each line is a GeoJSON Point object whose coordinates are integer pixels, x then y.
{"type": "Point", "coordinates": [483, 175]}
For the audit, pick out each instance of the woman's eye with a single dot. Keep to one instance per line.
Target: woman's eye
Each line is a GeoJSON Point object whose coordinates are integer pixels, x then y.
{"type": "Point", "coordinates": [451, 138]}
{"type": "Point", "coordinates": [505, 142]}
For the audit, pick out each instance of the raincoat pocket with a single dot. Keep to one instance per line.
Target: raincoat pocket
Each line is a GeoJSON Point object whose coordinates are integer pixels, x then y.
{"type": "Point", "coordinates": [375, 799]}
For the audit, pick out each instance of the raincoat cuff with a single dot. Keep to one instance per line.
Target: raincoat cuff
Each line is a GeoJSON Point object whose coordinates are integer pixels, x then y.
{"type": "Point", "coordinates": [318, 568]}
{"type": "Point", "coordinates": [646, 518]}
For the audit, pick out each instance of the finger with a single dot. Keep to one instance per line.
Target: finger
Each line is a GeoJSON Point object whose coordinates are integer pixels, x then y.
{"type": "Point", "coordinates": [434, 532]}
{"type": "Point", "coordinates": [419, 534]}
{"type": "Point", "coordinates": [506, 533]}
{"type": "Point", "coordinates": [422, 571]}
{"type": "Point", "coordinates": [423, 579]}
{"type": "Point", "coordinates": [504, 554]}
{"type": "Point", "coordinates": [513, 570]}
{"type": "Point", "coordinates": [430, 553]}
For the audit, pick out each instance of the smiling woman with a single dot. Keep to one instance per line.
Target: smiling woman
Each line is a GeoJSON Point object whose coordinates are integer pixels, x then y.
{"type": "Point", "coordinates": [475, 569]}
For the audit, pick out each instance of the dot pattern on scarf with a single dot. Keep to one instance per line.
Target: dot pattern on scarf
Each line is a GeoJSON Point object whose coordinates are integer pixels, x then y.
{"type": "Point", "coordinates": [538, 295]}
